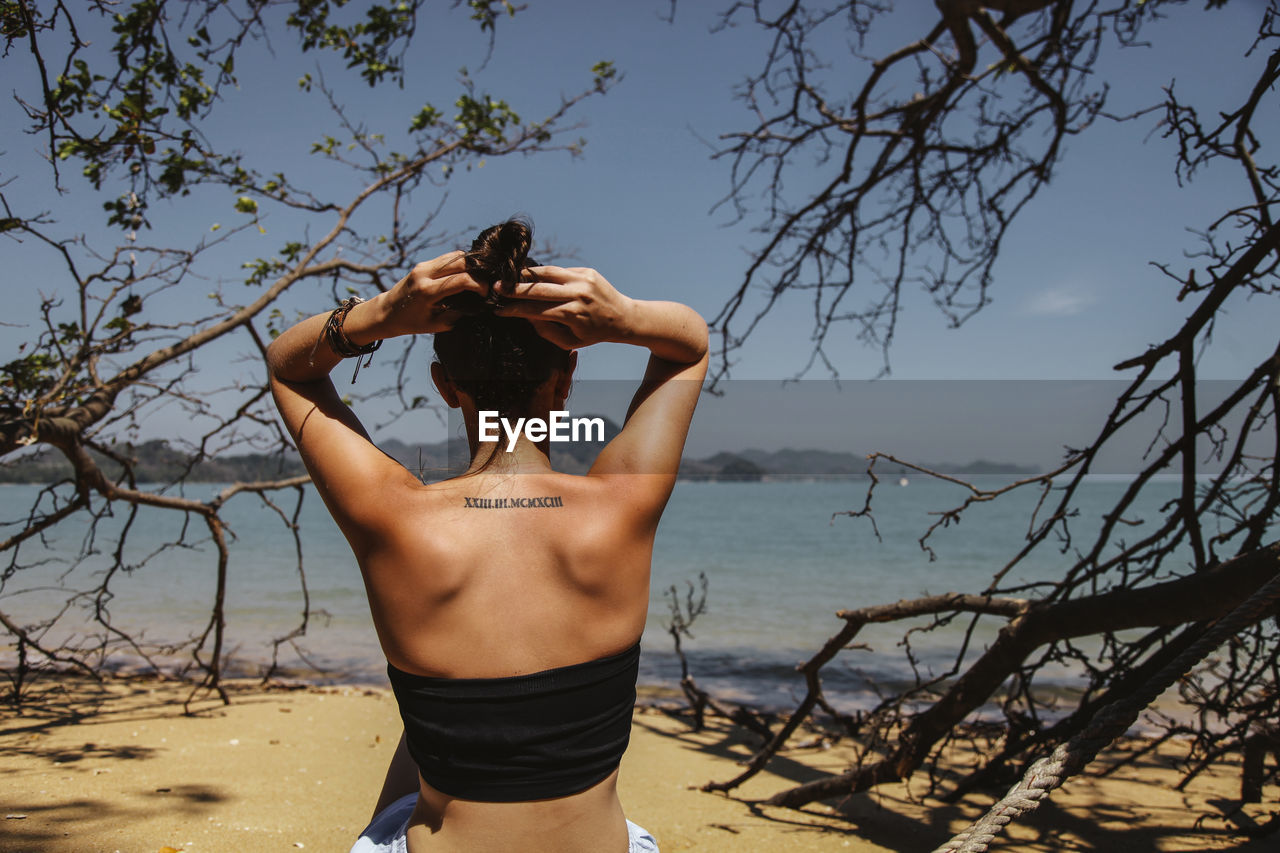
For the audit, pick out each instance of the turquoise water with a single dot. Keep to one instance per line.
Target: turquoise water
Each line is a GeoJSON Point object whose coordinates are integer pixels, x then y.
{"type": "Point", "coordinates": [778, 565]}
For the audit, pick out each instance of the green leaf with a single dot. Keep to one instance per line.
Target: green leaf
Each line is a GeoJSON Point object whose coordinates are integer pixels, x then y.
{"type": "Point", "coordinates": [603, 71]}
{"type": "Point", "coordinates": [426, 117]}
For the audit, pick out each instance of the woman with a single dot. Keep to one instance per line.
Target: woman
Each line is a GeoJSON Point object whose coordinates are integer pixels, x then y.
{"type": "Point", "coordinates": [510, 625]}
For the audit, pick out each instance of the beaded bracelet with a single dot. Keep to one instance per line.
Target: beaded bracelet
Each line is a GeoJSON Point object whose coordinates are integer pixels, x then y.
{"type": "Point", "coordinates": [340, 343]}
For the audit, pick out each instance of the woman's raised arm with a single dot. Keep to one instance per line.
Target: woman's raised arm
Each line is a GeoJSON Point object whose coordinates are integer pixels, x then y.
{"type": "Point", "coordinates": [578, 307]}
{"type": "Point", "coordinates": [345, 466]}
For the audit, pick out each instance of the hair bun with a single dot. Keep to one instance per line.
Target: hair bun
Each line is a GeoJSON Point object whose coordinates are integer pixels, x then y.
{"type": "Point", "coordinates": [499, 361]}
{"type": "Point", "coordinates": [498, 256]}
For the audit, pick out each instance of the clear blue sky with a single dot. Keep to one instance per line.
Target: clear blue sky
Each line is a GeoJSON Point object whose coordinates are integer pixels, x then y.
{"type": "Point", "coordinates": [1073, 295]}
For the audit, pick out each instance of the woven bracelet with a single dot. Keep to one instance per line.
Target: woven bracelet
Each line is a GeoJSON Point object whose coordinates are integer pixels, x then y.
{"type": "Point", "coordinates": [340, 343]}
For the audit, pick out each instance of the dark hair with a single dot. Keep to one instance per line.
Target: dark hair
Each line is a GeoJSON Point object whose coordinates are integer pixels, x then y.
{"type": "Point", "coordinates": [498, 361]}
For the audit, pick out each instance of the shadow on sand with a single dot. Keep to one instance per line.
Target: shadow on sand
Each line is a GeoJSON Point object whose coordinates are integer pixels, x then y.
{"type": "Point", "coordinates": [49, 822]}
{"type": "Point", "coordinates": [898, 817]}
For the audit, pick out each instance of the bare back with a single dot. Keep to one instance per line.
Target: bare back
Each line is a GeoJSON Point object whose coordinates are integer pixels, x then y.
{"type": "Point", "coordinates": [492, 575]}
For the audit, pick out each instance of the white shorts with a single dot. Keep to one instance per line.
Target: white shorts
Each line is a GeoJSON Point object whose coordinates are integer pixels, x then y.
{"type": "Point", "coordinates": [386, 832]}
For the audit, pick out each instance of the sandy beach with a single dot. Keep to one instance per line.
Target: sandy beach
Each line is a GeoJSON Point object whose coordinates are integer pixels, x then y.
{"type": "Point", "coordinates": [299, 770]}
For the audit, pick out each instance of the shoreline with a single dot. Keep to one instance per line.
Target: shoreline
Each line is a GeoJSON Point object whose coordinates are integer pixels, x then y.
{"type": "Point", "coordinates": [658, 683]}
{"type": "Point", "coordinates": [299, 768]}
{"type": "Point", "coordinates": [660, 690]}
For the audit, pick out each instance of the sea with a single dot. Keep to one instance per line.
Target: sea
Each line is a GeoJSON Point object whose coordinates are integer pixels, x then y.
{"type": "Point", "coordinates": [780, 559]}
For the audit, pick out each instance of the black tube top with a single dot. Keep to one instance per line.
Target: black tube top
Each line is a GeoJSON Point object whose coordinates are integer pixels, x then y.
{"type": "Point", "coordinates": [527, 737]}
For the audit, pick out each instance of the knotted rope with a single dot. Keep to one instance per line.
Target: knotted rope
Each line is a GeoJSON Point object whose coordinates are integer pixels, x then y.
{"type": "Point", "coordinates": [1108, 724]}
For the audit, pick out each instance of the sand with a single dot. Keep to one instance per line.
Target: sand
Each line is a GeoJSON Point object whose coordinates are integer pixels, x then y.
{"type": "Point", "coordinates": [299, 770]}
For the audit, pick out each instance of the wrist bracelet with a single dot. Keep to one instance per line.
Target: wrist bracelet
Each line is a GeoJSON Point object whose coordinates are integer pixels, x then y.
{"type": "Point", "coordinates": [340, 343]}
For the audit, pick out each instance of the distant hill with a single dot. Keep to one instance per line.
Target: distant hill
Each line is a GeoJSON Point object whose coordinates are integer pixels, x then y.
{"type": "Point", "coordinates": [722, 467]}
{"type": "Point", "coordinates": [158, 461]}
{"type": "Point", "coordinates": [807, 463]}
{"type": "Point", "coordinates": [984, 466]}
{"type": "Point", "coordinates": [790, 463]}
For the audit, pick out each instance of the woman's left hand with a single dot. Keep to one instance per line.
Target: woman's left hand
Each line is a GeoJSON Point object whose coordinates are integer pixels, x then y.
{"type": "Point", "coordinates": [571, 307]}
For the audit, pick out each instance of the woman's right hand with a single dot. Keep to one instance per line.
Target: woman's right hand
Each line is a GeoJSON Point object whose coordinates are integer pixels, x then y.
{"type": "Point", "coordinates": [572, 307]}
{"type": "Point", "coordinates": [417, 303]}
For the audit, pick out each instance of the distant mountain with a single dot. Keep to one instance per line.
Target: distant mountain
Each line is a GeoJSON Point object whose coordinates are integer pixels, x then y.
{"type": "Point", "coordinates": [807, 463]}
{"type": "Point", "coordinates": [790, 463]}
{"type": "Point", "coordinates": [984, 466]}
{"type": "Point", "coordinates": [157, 461]}
{"type": "Point", "coordinates": [722, 466]}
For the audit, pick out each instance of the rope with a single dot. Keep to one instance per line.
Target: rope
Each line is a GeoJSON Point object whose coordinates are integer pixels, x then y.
{"type": "Point", "coordinates": [1109, 723]}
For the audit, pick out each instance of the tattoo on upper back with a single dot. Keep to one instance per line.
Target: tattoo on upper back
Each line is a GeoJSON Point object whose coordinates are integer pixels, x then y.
{"type": "Point", "coordinates": [550, 502]}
